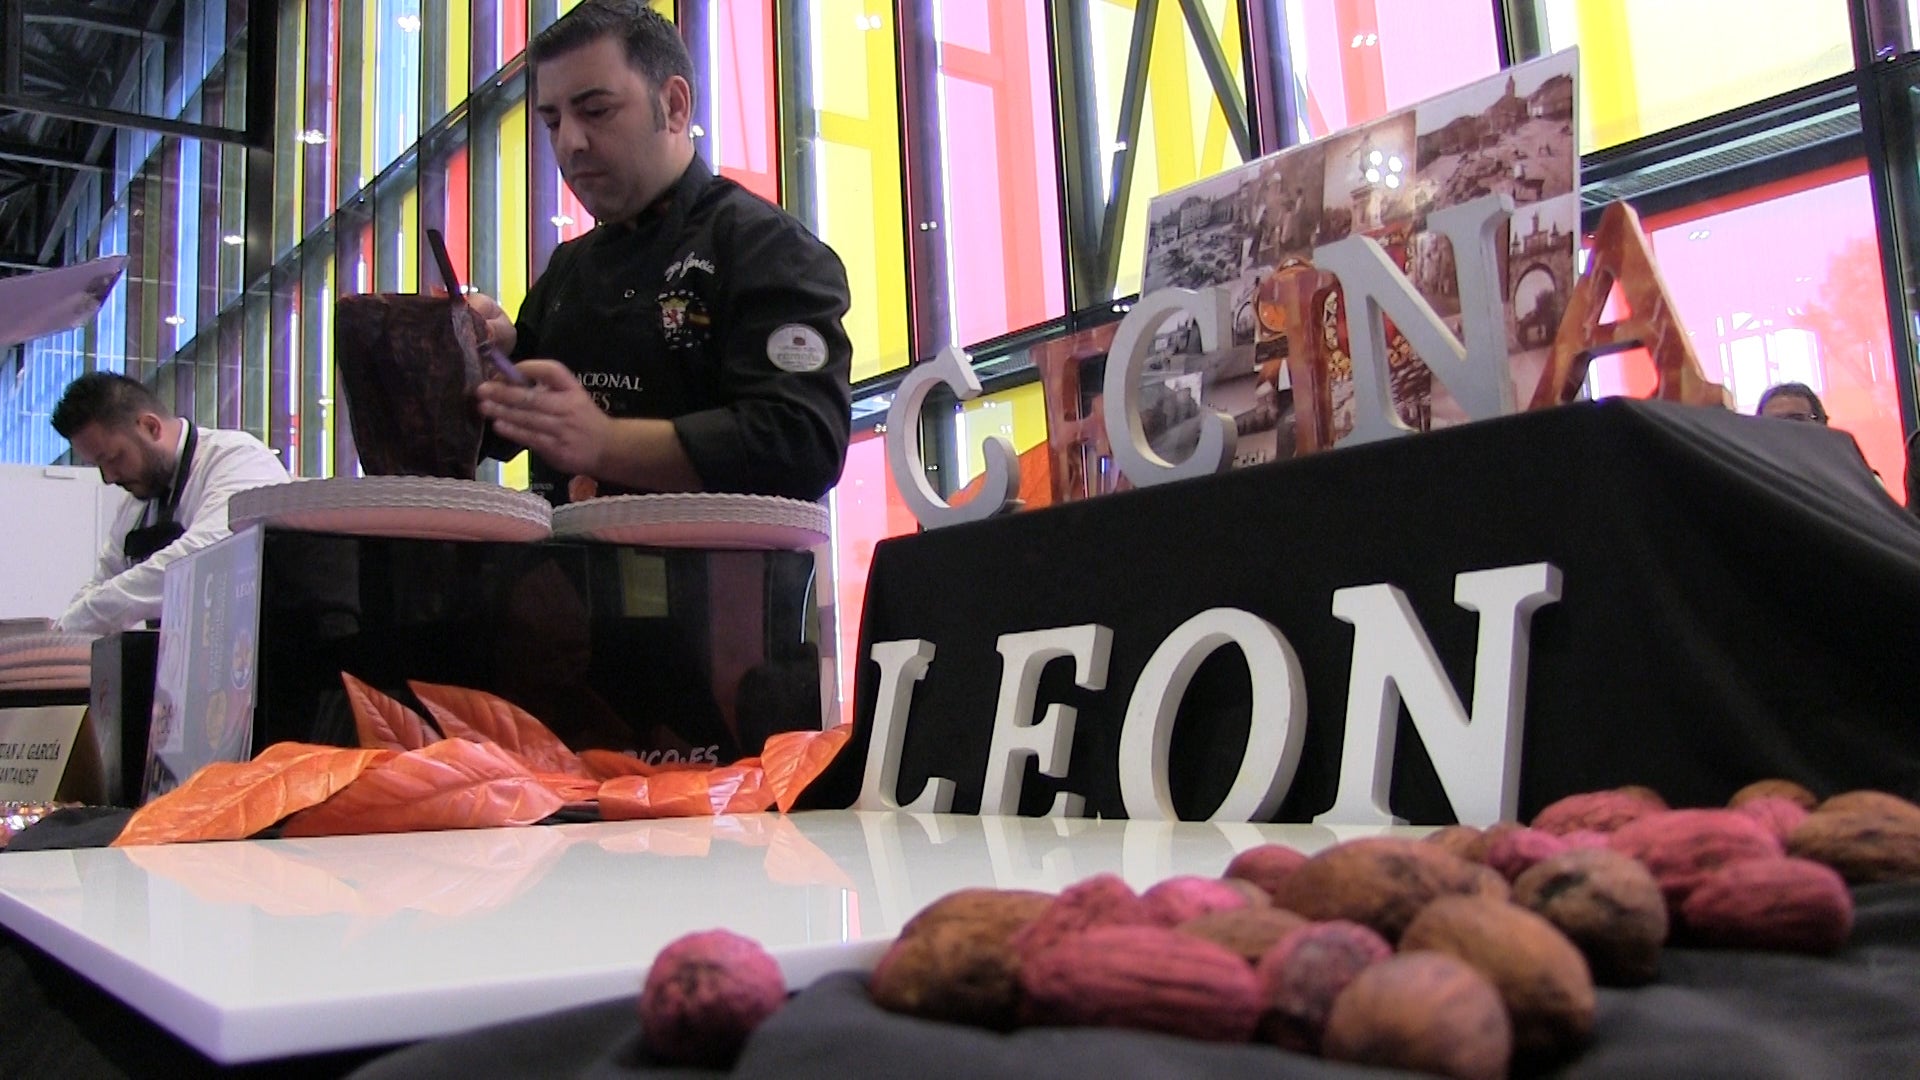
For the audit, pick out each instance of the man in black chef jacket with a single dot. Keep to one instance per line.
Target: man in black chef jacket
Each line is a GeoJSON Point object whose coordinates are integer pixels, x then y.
{"type": "Point", "coordinates": [692, 341]}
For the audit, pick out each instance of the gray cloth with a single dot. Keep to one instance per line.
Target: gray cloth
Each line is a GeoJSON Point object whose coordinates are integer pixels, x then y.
{"type": "Point", "coordinates": [1711, 1014]}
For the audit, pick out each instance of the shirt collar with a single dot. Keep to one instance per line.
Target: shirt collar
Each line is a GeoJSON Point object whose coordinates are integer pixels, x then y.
{"type": "Point", "coordinates": [688, 187]}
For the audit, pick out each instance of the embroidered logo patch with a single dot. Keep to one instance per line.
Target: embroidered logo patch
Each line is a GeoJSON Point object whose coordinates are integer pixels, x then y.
{"type": "Point", "coordinates": [683, 318]}
{"type": "Point", "coordinates": [797, 347]}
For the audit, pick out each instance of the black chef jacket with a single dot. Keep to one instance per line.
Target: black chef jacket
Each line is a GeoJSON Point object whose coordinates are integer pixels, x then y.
{"type": "Point", "coordinates": [714, 309]}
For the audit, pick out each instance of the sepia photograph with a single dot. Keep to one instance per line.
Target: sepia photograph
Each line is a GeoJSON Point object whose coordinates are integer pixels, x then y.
{"type": "Point", "coordinates": [1540, 270]}
{"type": "Point", "coordinates": [1507, 135]}
{"type": "Point", "coordinates": [1198, 235]}
{"type": "Point", "coordinates": [1436, 275]}
{"type": "Point", "coordinates": [1287, 201]}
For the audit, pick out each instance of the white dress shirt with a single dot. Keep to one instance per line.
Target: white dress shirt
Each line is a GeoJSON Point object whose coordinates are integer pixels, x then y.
{"type": "Point", "coordinates": [122, 595]}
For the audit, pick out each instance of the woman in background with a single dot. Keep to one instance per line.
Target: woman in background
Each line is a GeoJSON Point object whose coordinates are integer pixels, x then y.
{"type": "Point", "coordinates": [1792, 401]}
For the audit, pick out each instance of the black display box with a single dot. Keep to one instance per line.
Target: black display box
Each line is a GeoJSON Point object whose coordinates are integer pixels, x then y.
{"type": "Point", "coordinates": [119, 713]}
{"type": "Point", "coordinates": [671, 654]}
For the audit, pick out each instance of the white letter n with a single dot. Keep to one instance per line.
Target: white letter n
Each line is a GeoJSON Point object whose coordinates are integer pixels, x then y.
{"type": "Point", "coordinates": [1477, 756]}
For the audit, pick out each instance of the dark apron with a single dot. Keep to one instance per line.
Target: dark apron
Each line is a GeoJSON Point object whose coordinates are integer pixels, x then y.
{"type": "Point", "coordinates": [145, 539]}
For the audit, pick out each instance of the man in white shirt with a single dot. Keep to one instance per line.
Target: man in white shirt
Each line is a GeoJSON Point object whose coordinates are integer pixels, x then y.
{"type": "Point", "coordinates": [180, 477]}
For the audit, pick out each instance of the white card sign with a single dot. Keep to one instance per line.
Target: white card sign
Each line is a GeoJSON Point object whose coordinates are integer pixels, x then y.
{"type": "Point", "coordinates": [35, 744]}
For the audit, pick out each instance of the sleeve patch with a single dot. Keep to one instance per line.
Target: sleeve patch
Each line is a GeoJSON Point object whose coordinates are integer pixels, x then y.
{"type": "Point", "coordinates": [797, 347]}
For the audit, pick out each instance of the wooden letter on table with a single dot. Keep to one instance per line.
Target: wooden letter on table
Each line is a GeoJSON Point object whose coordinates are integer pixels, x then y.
{"type": "Point", "coordinates": [1622, 254]}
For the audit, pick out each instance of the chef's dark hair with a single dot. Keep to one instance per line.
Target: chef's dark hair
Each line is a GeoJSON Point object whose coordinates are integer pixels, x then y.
{"type": "Point", "coordinates": [654, 47]}
{"type": "Point", "coordinates": [101, 397]}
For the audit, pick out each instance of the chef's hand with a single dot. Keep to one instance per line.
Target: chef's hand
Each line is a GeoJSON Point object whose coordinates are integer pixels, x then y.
{"type": "Point", "coordinates": [500, 329]}
{"type": "Point", "coordinates": [552, 416]}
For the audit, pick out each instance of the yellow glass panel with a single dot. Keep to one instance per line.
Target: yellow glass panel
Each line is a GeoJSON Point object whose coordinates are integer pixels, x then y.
{"type": "Point", "coordinates": [857, 178]}
{"type": "Point", "coordinates": [511, 271]}
{"type": "Point", "coordinates": [1183, 130]}
{"type": "Point", "coordinates": [369, 92]}
{"type": "Point", "coordinates": [410, 240]}
{"type": "Point", "coordinates": [1650, 65]}
{"type": "Point", "coordinates": [1019, 415]}
{"type": "Point", "coordinates": [459, 39]}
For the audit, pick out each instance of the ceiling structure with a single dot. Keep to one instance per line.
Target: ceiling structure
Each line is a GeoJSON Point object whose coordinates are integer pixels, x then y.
{"type": "Point", "coordinates": [65, 86]}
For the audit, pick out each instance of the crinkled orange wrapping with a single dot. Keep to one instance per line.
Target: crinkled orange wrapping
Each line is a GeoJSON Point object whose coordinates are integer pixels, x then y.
{"type": "Point", "coordinates": [674, 794]}
{"type": "Point", "coordinates": [752, 795]}
{"type": "Point", "coordinates": [453, 784]}
{"type": "Point", "coordinates": [794, 759]}
{"type": "Point", "coordinates": [474, 714]}
{"type": "Point", "coordinates": [232, 802]}
{"type": "Point", "coordinates": [721, 784]}
{"type": "Point", "coordinates": [573, 789]}
{"type": "Point", "coordinates": [384, 723]}
{"type": "Point", "coordinates": [607, 764]}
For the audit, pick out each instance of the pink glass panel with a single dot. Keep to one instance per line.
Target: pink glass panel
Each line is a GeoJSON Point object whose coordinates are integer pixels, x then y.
{"type": "Point", "coordinates": [744, 116]}
{"type": "Point", "coordinates": [1003, 228]}
{"type": "Point", "coordinates": [866, 510]}
{"type": "Point", "coordinates": [1356, 60]}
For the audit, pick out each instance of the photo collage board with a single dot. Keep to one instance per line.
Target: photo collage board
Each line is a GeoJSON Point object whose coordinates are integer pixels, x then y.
{"type": "Point", "coordinates": [1286, 376]}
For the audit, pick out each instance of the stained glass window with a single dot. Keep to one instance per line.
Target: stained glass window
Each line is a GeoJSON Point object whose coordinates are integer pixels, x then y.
{"type": "Point", "coordinates": [1168, 109]}
{"type": "Point", "coordinates": [744, 114]}
{"type": "Point", "coordinates": [848, 116]}
{"type": "Point", "coordinates": [1357, 60]}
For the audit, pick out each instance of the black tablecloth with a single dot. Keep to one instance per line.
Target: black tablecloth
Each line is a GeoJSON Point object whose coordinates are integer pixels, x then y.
{"type": "Point", "coordinates": [1741, 599]}
{"type": "Point", "coordinates": [57, 1024]}
{"type": "Point", "coordinates": [1711, 1014]}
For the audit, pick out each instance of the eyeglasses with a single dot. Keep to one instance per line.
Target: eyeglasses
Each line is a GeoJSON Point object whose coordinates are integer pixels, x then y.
{"type": "Point", "coordinates": [1799, 417]}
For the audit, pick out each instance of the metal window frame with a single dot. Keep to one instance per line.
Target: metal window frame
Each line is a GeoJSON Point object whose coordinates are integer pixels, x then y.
{"type": "Point", "coordinates": [1885, 66]}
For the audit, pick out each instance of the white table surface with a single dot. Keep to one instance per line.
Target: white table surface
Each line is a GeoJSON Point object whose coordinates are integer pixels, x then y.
{"type": "Point", "coordinates": [263, 949]}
